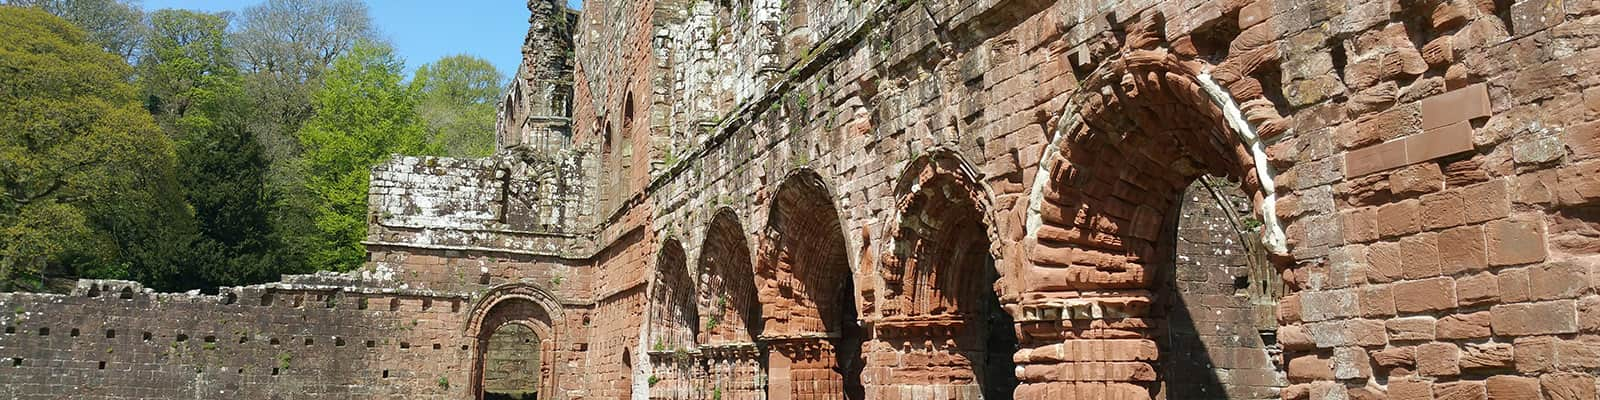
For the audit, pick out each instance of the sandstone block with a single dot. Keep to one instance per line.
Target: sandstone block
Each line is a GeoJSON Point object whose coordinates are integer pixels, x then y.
{"type": "Point", "coordinates": [1510, 387]}
{"type": "Point", "coordinates": [1534, 354]}
{"type": "Point", "coordinates": [1420, 256]}
{"type": "Point", "coordinates": [1515, 241]}
{"type": "Point", "coordinates": [1378, 301]}
{"type": "Point", "coordinates": [1401, 218]}
{"type": "Point", "coordinates": [1384, 262]}
{"type": "Point", "coordinates": [1410, 389]}
{"type": "Point", "coordinates": [1461, 250]}
{"type": "Point", "coordinates": [1438, 359]}
{"type": "Point", "coordinates": [1545, 318]}
{"type": "Point", "coordinates": [1464, 326]}
{"type": "Point", "coordinates": [1416, 180]}
{"type": "Point", "coordinates": [1568, 386]}
{"type": "Point", "coordinates": [1479, 289]}
{"type": "Point", "coordinates": [1486, 356]}
{"type": "Point", "coordinates": [1459, 390]}
{"type": "Point", "coordinates": [1427, 295]}
{"type": "Point", "coordinates": [1310, 368]}
{"type": "Point", "coordinates": [1562, 280]}
{"type": "Point", "coordinates": [1410, 328]}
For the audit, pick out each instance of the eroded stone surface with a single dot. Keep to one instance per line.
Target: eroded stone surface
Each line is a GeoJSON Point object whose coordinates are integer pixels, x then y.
{"type": "Point", "coordinates": [814, 200]}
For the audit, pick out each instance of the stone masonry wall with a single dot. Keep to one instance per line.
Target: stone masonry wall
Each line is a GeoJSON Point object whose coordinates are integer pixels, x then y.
{"type": "Point", "coordinates": [1220, 320]}
{"type": "Point", "coordinates": [1081, 121]}
{"type": "Point", "coordinates": [1425, 175]}
{"type": "Point", "coordinates": [114, 339]}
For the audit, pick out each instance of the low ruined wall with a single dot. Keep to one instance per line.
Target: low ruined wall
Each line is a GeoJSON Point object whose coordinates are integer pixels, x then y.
{"type": "Point", "coordinates": [115, 339]}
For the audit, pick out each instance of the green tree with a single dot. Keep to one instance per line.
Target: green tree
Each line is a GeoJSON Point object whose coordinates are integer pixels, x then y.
{"type": "Point", "coordinates": [82, 165]}
{"type": "Point", "coordinates": [458, 103]}
{"type": "Point", "coordinates": [117, 25]}
{"type": "Point", "coordinates": [284, 47]}
{"type": "Point", "coordinates": [195, 92]}
{"type": "Point", "coordinates": [364, 114]}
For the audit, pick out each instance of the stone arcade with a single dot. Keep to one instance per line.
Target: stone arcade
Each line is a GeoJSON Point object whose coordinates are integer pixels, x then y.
{"type": "Point", "coordinates": [944, 199]}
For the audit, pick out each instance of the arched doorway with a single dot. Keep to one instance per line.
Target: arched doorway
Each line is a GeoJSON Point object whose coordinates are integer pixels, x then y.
{"type": "Point", "coordinates": [514, 332]}
{"type": "Point", "coordinates": [511, 363]}
{"type": "Point", "coordinates": [941, 316]}
{"type": "Point", "coordinates": [808, 296]}
{"type": "Point", "coordinates": [1143, 126]}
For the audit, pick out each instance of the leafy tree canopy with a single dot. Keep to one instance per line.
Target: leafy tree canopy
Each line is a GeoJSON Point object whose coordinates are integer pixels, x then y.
{"type": "Point", "coordinates": [75, 143]}
{"type": "Point", "coordinates": [195, 92]}
{"type": "Point", "coordinates": [117, 25]}
{"type": "Point", "coordinates": [458, 102]}
{"type": "Point", "coordinates": [364, 114]}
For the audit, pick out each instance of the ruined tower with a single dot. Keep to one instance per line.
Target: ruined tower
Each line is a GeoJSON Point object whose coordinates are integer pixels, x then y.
{"type": "Point", "coordinates": [536, 111]}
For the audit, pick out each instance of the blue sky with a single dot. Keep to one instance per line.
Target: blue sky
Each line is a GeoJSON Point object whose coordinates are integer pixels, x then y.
{"type": "Point", "coordinates": [423, 31]}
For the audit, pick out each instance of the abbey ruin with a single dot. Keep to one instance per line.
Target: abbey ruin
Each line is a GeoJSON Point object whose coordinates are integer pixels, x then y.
{"type": "Point", "coordinates": [944, 199]}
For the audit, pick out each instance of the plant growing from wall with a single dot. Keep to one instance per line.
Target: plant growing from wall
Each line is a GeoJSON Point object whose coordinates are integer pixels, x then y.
{"type": "Point", "coordinates": [713, 322]}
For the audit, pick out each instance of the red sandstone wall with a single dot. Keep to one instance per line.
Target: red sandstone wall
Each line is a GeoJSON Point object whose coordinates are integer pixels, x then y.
{"type": "Point", "coordinates": [1431, 165]}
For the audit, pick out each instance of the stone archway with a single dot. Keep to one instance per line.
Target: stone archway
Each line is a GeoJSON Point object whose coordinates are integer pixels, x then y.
{"type": "Point", "coordinates": [511, 363]}
{"type": "Point", "coordinates": [674, 319]}
{"type": "Point", "coordinates": [808, 296]}
{"type": "Point", "coordinates": [1143, 126]}
{"type": "Point", "coordinates": [514, 304]}
{"type": "Point", "coordinates": [940, 316]}
{"type": "Point", "coordinates": [731, 311]}
{"type": "Point", "coordinates": [672, 326]}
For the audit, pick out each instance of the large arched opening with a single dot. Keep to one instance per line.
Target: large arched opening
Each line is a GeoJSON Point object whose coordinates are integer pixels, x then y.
{"type": "Point", "coordinates": [514, 331]}
{"type": "Point", "coordinates": [808, 293]}
{"type": "Point", "coordinates": [941, 319]}
{"type": "Point", "coordinates": [673, 325]}
{"type": "Point", "coordinates": [511, 359]}
{"type": "Point", "coordinates": [1102, 223]}
{"type": "Point", "coordinates": [730, 310]}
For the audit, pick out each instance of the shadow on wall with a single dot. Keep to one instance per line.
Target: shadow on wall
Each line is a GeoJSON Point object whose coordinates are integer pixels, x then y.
{"type": "Point", "coordinates": [1220, 300]}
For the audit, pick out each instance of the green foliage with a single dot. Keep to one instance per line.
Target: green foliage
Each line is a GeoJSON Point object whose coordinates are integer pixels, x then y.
{"type": "Point", "coordinates": [283, 360]}
{"type": "Point", "coordinates": [363, 115]}
{"type": "Point", "coordinates": [654, 380]}
{"type": "Point", "coordinates": [193, 88]}
{"type": "Point", "coordinates": [85, 172]}
{"type": "Point", "coordinates": [283, 49]}
{"type": "Point", "coordinates": [714, 321]}
{"type": "Point", "coordinates": [458, 95]}
{"type": "Point", "coordinates": [444, 383]}
{"type": "Point", "coordinates": [113, 24]}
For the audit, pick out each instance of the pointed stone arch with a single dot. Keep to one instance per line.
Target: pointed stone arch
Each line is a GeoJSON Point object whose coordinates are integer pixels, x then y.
{"type": "Point", "coordinates": [808, 294]}
{"type": "Point", "coordinates": [673, 318]}
{"type": "Point", "coordinates": [727, 283]}
{"type": "Point", "coordinates": [731, 310]}
{"type": "Point", "coordinates": [939, 312]}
